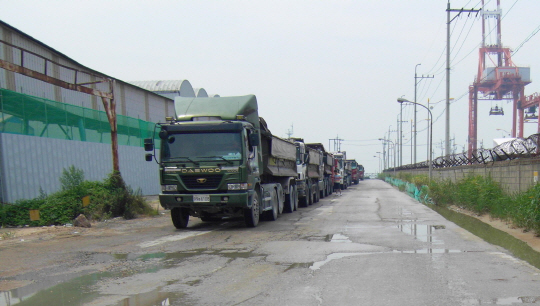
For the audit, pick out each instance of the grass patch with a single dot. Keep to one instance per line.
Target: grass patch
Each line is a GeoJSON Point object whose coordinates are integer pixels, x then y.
{"type": "Point", "coordinates": [483, 195]}
{"type": "Point", "coordinates": [109, 198]}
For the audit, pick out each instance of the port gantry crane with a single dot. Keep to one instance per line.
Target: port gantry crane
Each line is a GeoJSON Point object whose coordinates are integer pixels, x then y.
{"type": "Point", "coordinates": [502, 81]}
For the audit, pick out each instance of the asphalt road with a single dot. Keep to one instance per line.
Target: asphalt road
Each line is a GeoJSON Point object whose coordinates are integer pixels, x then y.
{"type": "Point", "coordinates": [372, 246]}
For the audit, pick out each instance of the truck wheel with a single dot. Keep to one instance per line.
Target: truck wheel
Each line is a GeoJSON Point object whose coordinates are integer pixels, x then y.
{"type": "Point", "coordinates": [251, 215]}
{"type": "Point", "coordinates": [272, 214]}
{"type": "Point", "coordinates": [295, 198]}
{"type": "Point", "coordinates": [281, 201]}
{"type": "Point", "coordinates": [317, 195]}
{"type": "Point", "coordinates": [289, 200]}
{"type": "Point", "coordinates": [330, 188]}
{"type": "Point", "coordinates": [303, 202]}
{"type": "Point", "coordinates": [180, 217]}
{"type": "Point", "coordinates": [310, 196]}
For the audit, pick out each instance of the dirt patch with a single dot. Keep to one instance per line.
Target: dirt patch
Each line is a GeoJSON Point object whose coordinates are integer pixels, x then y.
{"type": "Point", "coordinates": [24, 234]}
{"type": "Point", "coordinates": [7, 285]}
{"type": "Point", "coordinates": [12, 235]}
{"type": "Point", "coordinates": [528, 237]}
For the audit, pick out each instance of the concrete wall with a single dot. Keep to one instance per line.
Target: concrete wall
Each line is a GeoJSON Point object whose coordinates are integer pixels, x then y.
{"type": "Point", "coordinates": [514, 175]}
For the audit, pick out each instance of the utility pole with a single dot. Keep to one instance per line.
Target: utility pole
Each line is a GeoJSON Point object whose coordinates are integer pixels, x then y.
{"type": "Point", "coordinates": [401, 134]}
{"type": "Point", "coordinates": [448, 21]}
{"type": "Point", "coordinates": [416, 81]}
{"type": "Point", "coordinates": [291, 131]}
{"type": "Point", "coordinates": [337, 143]}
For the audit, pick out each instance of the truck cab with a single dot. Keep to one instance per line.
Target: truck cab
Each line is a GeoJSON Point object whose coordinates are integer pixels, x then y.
{"type": "Point", "coordinates": [212, 164]}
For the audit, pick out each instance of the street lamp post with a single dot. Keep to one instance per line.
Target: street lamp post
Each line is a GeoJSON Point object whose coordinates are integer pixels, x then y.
{"type": "Point", "coordinates": [394, 146]}
{"type": "Point", "coordinates": [379, 156]}
{"type": "Point", "coordinates": [430, 162]}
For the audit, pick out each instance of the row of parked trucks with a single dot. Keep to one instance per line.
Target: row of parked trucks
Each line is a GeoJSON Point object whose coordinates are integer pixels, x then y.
{"type": "Point", "coordinates": [217, 158]}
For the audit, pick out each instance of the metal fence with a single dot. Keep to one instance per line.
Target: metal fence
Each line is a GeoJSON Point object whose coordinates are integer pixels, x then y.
{"type": "Point", "coordinates": [513, 149]}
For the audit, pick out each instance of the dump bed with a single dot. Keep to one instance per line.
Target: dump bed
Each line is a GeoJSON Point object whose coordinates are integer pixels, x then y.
{"type": "Point", "coordinates": [328, 163]}
{"type": "Point", "coordinates": [279, 156]}
{"type": "Point", "coordinates": [315, 161]}
{"type": "Point", "coordinates": [327, 158]}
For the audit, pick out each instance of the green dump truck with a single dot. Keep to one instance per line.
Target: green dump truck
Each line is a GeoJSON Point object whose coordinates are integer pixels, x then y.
{"type": "Point", "coordinates": [218, 159]}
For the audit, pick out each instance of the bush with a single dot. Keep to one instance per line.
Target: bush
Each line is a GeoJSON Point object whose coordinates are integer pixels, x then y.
{"type": "Point", "coordinates": [110, 198]}
{"type": "Point", "coordinates": [71, 178]}
{"type": "Point", "coordinates": [527, 212]}
{"type": "Point", "coordinates": [442, 192]}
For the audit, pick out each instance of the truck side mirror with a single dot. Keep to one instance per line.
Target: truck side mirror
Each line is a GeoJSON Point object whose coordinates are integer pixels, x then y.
{"type": "Point", "coordinates": [148, 144]}
{"type": "Point", "coordinates": [163, 134]}
{"type": "Point", "coordinates": [253, 139]}
{"type": "Point", "coordinates": [306, 157]}
{"type": "Point", "coordinates": [148, 157]}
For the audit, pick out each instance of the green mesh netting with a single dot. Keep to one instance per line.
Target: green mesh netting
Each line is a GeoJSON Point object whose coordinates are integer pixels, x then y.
{"type": "Point", "coordinates": [420, 194]}
{"type": "Point", "coordinates": [28, 115]}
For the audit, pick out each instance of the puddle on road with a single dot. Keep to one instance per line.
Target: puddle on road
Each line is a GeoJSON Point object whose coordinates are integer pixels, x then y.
{"type": "Point", "coordinates": [301, 265]}
{"type": "Point", "coordinates": [428, 251]}
{"type": "Point", "coordinates": [420, 232]}
{"type": "Point", "coordinates": [317, 265]}
{"type": "Point", "coordinates": [337, 238]}
{"type": "Point", "coordinates": [505, 301]}
{"type": "Point", "coordinates": [81, 290]}
{"type": "Point", "coordinates": [518, 248]}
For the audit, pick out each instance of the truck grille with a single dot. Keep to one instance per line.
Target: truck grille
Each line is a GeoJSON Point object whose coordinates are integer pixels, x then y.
{"type": "Point", "coordinates": [202, 181]}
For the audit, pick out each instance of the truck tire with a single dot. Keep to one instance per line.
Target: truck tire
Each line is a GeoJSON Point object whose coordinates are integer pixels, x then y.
{"type": "Point", "coordinates": [281, 201]}
{"type": "Point", "coordinates": [316, 194]}
{"type": "Point", "coordinates": [273, 213]}
{"type": "Point", "coordinates": [289, 200]}
{"type": "Point", "coordinates": [252, 215]}
{"type": "Point", "coordinates": [180, 217]}
{"type": "Point", "coordinates": [330, 188]}
{"type": "Point", "coordinates": [295, 198]}
{"type": "Point", "coordinates": [303, 202]}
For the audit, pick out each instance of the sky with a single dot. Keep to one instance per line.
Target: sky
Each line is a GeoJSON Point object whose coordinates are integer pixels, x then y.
{"type": "Point", "coordinates": [321, 70]}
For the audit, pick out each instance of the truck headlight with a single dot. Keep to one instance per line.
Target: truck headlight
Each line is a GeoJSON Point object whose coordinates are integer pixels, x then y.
{"type": "Point", "coordinates": [241, 186]}
{"type": "Point", "coordinates": [169, 187]}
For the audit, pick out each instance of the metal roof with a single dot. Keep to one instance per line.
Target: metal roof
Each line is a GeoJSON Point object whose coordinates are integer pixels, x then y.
{"type": "Point", "coordinates": [65, 57]}
{"type": "Point", "coordinates": [200, 93]}
{"type": "Point", "coordinates": [165, 85]}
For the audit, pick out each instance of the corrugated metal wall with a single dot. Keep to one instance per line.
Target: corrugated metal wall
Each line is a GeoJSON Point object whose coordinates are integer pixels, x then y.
{"type": "Point", "coordinates": [32, 163]}
{"type": "Point", "coordinates": [29, 163]}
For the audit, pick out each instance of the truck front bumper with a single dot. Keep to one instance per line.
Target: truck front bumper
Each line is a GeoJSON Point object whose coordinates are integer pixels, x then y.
{"type": "Point", "coordinates": [217, 201]}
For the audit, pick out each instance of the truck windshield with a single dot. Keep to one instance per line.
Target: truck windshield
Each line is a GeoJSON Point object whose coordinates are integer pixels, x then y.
{"type": "Point", "coordinates": [219, 146]}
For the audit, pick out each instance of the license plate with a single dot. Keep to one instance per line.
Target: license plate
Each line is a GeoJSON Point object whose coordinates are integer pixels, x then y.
{"type": "Point", "coordinates": [201, 198]}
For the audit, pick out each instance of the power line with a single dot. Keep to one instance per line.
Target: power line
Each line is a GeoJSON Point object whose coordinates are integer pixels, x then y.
{"type": "Point", "coordinates": [526, 40]}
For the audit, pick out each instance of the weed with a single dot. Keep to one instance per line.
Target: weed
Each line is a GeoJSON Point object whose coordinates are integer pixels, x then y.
{"type": "Point", "coordinates": [7, 235]}
{"type": "Point", "coordinates": [483, 195]}
{"type": "Point", "coordinates": [108, 199]}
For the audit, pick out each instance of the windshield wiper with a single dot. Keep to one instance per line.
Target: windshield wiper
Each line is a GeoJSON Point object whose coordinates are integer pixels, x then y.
{"type": "Point", "coordinates": [191, 160]}
{"type": "Point", "coordinates": [217, 156]}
